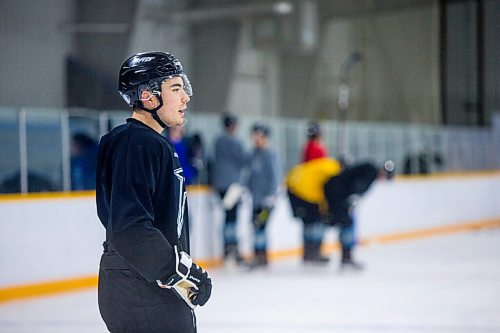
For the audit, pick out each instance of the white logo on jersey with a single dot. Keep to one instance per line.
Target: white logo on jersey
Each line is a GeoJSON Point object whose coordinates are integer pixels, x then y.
{"type": "Point", "coordinates": [182, 201]}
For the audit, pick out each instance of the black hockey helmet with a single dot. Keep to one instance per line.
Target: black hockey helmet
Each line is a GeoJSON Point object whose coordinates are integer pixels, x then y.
{"type": "Point", "coordinates": [229, 119]}
{"type": "Point", "coordinates": [313, 130]}
{"type": "Point", "coordinates": [148, 70]}
{"type": "Point", "coordinates": [261, 129]}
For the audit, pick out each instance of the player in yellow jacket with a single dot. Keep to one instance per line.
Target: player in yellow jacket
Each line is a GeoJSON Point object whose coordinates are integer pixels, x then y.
{"type": "Point", "coordinates": [322, 193]}
{"type": "Point", "coordinates": [305, 186]}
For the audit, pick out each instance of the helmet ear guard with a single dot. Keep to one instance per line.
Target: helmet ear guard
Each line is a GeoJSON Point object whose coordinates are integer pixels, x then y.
{"type": "Point", "coordinates": [145, 88]}
{"type": "Point", "coordinates": [133, 96]}
{"type": "Point", "coordinates": [138, 101]}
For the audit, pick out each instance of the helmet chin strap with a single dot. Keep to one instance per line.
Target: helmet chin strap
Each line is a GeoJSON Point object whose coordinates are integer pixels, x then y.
{"type": "Point", "coordinates": [153, 111]}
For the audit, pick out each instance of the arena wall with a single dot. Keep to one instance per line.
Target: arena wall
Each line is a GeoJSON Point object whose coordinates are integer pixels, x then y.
{"type": "Point", "coordinates": [57, 237]}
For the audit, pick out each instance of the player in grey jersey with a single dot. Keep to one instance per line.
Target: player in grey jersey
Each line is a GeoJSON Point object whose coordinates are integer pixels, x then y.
{"type": "Point", "coordinates": [230, 160]}
{"type": "Point", "coordinates": [263, 185]}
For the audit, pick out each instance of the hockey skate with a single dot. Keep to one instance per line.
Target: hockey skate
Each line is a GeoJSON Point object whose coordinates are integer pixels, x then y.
{"type": "Point", "coordinates": [258, 262]}
{"type": "Point", "coordinates": [312, 255]}
{"type": "Point", "coordinates": [316, 259]}
{"type": "Point", "coordinates": [348, 263]}
{"type": "Point", "coordinates": [232, 258]}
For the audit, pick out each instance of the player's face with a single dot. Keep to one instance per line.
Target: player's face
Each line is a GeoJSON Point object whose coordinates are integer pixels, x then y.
{"type": "Point", "coordinates": [259, 140]}
{"type": "Point", "coordinates": [175, 102]}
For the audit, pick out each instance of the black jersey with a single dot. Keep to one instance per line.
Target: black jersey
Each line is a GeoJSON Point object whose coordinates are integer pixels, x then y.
{"type": "Point", "coordinates": [142, 199]}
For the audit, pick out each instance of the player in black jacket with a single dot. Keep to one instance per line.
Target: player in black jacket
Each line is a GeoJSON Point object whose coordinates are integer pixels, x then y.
{"type": "Point", "coordinates": [147, 280]}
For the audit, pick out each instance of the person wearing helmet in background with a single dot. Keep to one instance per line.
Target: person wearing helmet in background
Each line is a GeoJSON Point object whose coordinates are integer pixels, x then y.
{"type": "Point", "coordinates": [304, 184]}
{"type": "Point", "coordinates": [313, 148]}
{"type": "Point", "coordinates": [263, 186]}
{"type": "Point", "coordinates": [314, 229]}
{"type": "Point", "coordinates": [147, 280]}
{"type": "Point", "coordinates": [230, 160]}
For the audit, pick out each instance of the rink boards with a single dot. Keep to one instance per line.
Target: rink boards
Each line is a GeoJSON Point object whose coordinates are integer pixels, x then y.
{"type": "Point", "coordinates": [52, 242]}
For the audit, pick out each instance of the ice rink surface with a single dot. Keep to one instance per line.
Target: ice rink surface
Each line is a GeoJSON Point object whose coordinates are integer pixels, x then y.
{"type": "Point", "coordinates": [438, 284]}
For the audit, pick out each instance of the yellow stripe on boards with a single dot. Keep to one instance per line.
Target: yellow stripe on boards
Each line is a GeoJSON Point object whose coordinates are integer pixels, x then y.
{"type": "Point", "coordinates": [452, 175]}
{"type": "Point", "coordinates": [210, 263]}
{"type": "Point", "coordinates": [76, 194]}
{"type": "Point", "coordinates": [207, 188]}
{"type": "Point", "coordinates": [434, 231]}
{"type": "Point", "coordinates": [46, 196]}
{"type": "Point", "coordinates": [47, 288]}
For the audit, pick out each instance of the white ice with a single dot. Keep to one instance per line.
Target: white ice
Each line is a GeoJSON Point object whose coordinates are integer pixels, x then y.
{"type": "Point", "coordinates": [438, 284]}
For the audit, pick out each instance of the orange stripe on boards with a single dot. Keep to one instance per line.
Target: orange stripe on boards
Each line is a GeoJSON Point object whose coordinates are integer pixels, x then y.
{"type": "Point", "coordinates": [206, 188]}
{"type": "Point", "coordinates": [69, 285]}
{"type": "Point", "coordinates": [76, 194]}
{"type": "Point", "coordinates": [435, 231]}
{"type": "Point", "coordinates": [210, 263]}
{"type": "Point", "coordinates": [454, 175]}
{"type": "Point", "coordinates": [46, 196]}
{"type": "Point", "coordinates": [47, 288]}
{"type": "Point", "coordinates": [283, 254]}
{"type": "Point", "coordinates": [398, 237]}
{"type": "Point", "coordinates": [199, 188]}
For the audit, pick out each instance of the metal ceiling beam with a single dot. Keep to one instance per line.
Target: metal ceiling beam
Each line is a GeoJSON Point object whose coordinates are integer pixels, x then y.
{"type": "Point", "coordinates": [161, 14]}
{"type": "Point", "coordinates": [95, 28]}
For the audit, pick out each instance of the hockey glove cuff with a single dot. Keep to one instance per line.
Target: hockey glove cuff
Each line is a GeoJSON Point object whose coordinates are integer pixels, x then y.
{"type": "Point", "coordinates": [189, 281]}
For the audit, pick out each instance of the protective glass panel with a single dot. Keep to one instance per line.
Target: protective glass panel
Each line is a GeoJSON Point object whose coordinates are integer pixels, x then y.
{"type": "Point", "coordinates": [44, 150]}
{"type": "Point", "coordinates": [84, 138]}
{"type": "Point", "coordinates": [9, 151]}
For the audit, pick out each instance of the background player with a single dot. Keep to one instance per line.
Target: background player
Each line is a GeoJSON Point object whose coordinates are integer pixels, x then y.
{"type": "Point", "coordinates": [313, 148]}
{"type": "Point", "coordinates": [230, 159]}
{"type": "Point", "coordinates": [305, 186]}
{"type": "Point", "coordinates": [342, 193]}
{"type": "Point", "coordinates": [263, 185]}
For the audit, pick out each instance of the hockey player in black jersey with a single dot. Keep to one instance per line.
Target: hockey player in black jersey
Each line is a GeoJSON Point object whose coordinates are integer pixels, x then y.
{"type": "Point", "coordinates": [147, 280]}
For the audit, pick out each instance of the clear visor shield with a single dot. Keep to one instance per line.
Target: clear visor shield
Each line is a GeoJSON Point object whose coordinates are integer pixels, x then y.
{"type": "Point", "coordinates": [187, 85]}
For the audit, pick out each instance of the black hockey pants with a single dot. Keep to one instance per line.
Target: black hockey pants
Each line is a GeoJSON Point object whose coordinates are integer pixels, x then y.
{"type": "Point", "coordinates": [128, 303]}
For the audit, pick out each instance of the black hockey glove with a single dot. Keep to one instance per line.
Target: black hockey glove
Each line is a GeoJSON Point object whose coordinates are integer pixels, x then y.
{"type": "Point", "coordinates": [190, 281]}
{"type": "Point", "coordinates": [204, 284]}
